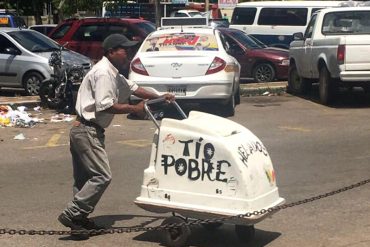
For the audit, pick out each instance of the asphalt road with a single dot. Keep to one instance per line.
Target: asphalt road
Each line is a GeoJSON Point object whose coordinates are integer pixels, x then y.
{"type": "Point", "coordinates": [315, 149]}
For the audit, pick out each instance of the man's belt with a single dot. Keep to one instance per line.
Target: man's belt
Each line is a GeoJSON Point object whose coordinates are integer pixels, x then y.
{"type": "Point", "coordinates": [89, 123]}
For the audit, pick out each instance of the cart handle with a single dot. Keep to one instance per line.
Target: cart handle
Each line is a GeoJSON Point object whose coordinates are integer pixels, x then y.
{"type": "Point", "coordinates": [158, 100]}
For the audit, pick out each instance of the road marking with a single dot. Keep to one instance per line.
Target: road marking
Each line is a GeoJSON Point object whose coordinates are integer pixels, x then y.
{"type": "Point", "coordinates": [45, 146]}
{"type": "Point", "coordinates": [295, 128]}
{"type": "Point", "coordinates": [53, 141]}
{"type": "Point", "coordinates": [137, 143]}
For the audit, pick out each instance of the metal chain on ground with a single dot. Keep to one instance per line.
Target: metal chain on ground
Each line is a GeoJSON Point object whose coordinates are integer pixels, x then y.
{"type": "Point", "coordinates": [178, 225]}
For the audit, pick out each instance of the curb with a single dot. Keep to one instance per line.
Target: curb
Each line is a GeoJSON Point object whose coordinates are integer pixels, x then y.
{"type": "Point", "coordinates": [246, 90]}
{"type": "Point", "coordinates": [261, 89]}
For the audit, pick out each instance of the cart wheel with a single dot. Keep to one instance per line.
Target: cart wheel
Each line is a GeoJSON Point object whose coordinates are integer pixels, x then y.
{"type": "Point", "coordinates": [212, 226]}
{"type": "Point", "coordinates": [245, 233]}
{"type": "Point", "coordinates": [175, 237]}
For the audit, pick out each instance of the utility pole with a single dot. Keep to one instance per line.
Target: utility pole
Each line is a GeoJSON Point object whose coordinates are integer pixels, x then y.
{"type": "Point", "coordinates": [206, 5]}
{"type": "Point", "coordinates": [157, 7]}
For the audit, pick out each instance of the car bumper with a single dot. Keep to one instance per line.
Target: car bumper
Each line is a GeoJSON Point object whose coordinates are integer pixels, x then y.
{"type": "Point", "coordinates": [281, 71]}
{"type": "Point", "coordinates": [220, 90]}
{"type": "Point", "coordinates": [348, 76]}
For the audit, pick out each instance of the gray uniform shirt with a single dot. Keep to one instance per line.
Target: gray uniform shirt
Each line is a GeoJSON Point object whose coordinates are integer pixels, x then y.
{"type": "Point", "coordinates": [102, 87]}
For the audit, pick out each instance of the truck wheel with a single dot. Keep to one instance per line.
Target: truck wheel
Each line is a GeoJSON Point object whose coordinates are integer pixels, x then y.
{"type": "Point", "coordinates": [264, 72]}
{"type": "Point", "coordinates": [326, 86]}
{"type": "Point", "coordinates": [32, 82]}
{"type": "Point", "coordinates": [175, 236]}
{"type": "Point", "coordinates": [296, 83]}
{"type": "Point", "coordinates": [245, 233]}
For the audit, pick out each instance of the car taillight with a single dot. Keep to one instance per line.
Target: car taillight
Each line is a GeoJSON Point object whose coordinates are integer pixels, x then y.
{"type": "Point", "coordinates": [341, 54]}
{"type": "Point", "coordinates": [138, 67]}
{"type": "Point", "coordinates": [217, 65]}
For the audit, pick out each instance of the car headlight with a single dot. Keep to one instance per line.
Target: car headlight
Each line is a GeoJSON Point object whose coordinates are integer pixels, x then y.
{"type": "Point", "coordinates": [285, 62]}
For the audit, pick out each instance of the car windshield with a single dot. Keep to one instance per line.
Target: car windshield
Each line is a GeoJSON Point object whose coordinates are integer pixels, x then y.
{"type": "Point", "coordinates": [247, 40]}
{"type": "Point", "coordinates": [34, 41]}
{"type": "Point", "coordinates": [146, 27]}
{"type": "Point", "coordinates": [180, 42]}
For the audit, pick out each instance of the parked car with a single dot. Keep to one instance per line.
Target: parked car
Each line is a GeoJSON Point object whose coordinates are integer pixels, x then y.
{"type": "Point", "coordinates": [191, 63]}
{"type": "Point", "coordinates": [257, 61]}
{"type": "Point", "coordinates": [86, 35]}
{"type": "Point", "coordinates": [186, 13]}
{"type": "Point", "coordinates": [24, 56]}
{"type": "Point", "coordinates": [11, 20]}
{"type": "Point", "coordinates": [44, 28]}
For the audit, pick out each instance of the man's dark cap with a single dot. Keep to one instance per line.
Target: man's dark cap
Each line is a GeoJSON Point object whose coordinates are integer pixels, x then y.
{"type": "Point", "coordinates": [117, 40]}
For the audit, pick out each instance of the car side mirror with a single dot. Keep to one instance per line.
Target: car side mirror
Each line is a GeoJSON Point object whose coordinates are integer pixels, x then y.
{"type": "Point", "coordinates": [12, 51]}
{"type": "Point", "coordinates": [298, 36]}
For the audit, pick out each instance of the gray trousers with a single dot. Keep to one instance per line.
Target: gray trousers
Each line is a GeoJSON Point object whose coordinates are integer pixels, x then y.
{"type": "Point", "coordinates": [91, 171]}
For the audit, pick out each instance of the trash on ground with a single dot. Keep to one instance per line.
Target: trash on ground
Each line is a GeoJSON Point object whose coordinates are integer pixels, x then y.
{"type": "Point", "coordinates": [19, 137]}
{"type": "Point", "coordinates": [37, 108]}
{"type": "Point", "coordinates": [266, 93]}
{"type": "Point", "coordinates": [61, 118]}
{"type": "Point", "coordinates": [16, 118]}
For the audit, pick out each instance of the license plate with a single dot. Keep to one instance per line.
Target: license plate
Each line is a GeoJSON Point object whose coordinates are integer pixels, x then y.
{"type": "Point", "coordinates": [177, 90]}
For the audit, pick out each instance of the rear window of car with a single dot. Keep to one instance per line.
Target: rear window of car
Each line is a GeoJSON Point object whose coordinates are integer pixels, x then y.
{"type": "Point", "coordinates": [61, 31]}
{"type": "Point", "coordinates": [90, 32]}
{"type": "Point", "coordinates": [283, 16]}
{"type": "Point", "coordinates": [180, 42]}
{"type": "Point", "coordinates": [354, 22]}
{"type": "Point", "coordinates": [243, 16]}
{"type": "Point", "coordinates": [145, 27]}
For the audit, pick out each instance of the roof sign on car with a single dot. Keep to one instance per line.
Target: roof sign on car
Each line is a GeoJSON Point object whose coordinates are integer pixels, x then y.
{"type": "Point", "coordinates": [170, 22]}
{"type": "Point", "coordinates": [4, 20]}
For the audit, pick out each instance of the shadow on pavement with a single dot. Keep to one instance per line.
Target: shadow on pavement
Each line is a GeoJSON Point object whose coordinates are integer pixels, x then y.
{"type": "Point", "coordinates": [221, 237]}
{"type": "Point", "coordinates": [345, 98]}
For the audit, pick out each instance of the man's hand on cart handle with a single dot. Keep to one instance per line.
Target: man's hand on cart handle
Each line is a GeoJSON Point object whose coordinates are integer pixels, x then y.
{"type": "Point", "coordinates": [168, 97]}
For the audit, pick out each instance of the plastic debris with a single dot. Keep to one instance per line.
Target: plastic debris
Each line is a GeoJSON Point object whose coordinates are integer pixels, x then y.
{"type": "Point", "coordinates": [17, 118]}
{"type": "Point", "coordinates": [61, 118]}
{"type": "Point", "coordinates": [266, 93]}
{"type": "Point", "coordinates": [37, 108]}
{"type": "Point", "coordinates": [19, 137]}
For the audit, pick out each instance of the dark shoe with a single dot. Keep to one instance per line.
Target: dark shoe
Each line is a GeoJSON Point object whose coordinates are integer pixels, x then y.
{"type": "Point", "coordinates": [75, 225]}
{"type": "Point", "coordinates": [89, 224]}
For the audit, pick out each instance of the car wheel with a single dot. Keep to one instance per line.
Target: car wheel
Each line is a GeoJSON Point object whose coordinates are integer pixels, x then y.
{"type": "Point", "coordinates": [32, 82]}
{"type": "Point", "coordinates": [237, 97]}
{"type": "Point", "coordinates": [264, 72]}
{"type": "Point", "coordinates": [297, 84]}
{"type": "Point", "coordinates": [326, 86]}
{"type": "Point", "coordinates": [229, 108]}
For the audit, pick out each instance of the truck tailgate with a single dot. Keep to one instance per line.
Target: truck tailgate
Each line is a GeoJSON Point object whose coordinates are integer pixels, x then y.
{"type": "Point", "coordinates": [357, 52]}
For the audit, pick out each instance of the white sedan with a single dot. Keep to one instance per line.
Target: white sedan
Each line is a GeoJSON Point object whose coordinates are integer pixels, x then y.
{"type": "Point", "coordinates": [191, 63]}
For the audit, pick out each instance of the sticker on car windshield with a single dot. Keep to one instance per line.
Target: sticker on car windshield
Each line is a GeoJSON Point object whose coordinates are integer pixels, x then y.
{"type": "Point", "coordinates": [181, 42]}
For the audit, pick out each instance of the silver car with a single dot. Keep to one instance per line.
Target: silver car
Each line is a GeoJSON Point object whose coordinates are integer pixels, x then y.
{"type": "Point", "coordinates": [24, 56]}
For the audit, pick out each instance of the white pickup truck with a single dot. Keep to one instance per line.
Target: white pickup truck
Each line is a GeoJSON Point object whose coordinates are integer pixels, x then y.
{"type": "Point", "coordinates": [334, 51]}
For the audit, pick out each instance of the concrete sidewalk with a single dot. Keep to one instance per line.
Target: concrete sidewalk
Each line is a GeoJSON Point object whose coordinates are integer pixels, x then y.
{"type": "Point", "coordinates": [248, 89]}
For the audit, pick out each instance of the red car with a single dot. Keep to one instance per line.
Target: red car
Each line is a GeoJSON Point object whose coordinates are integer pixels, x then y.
{"type": "Point", "coordinates": [257, 61]}
{"type": "Point", "coordinates": [86, 35]}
